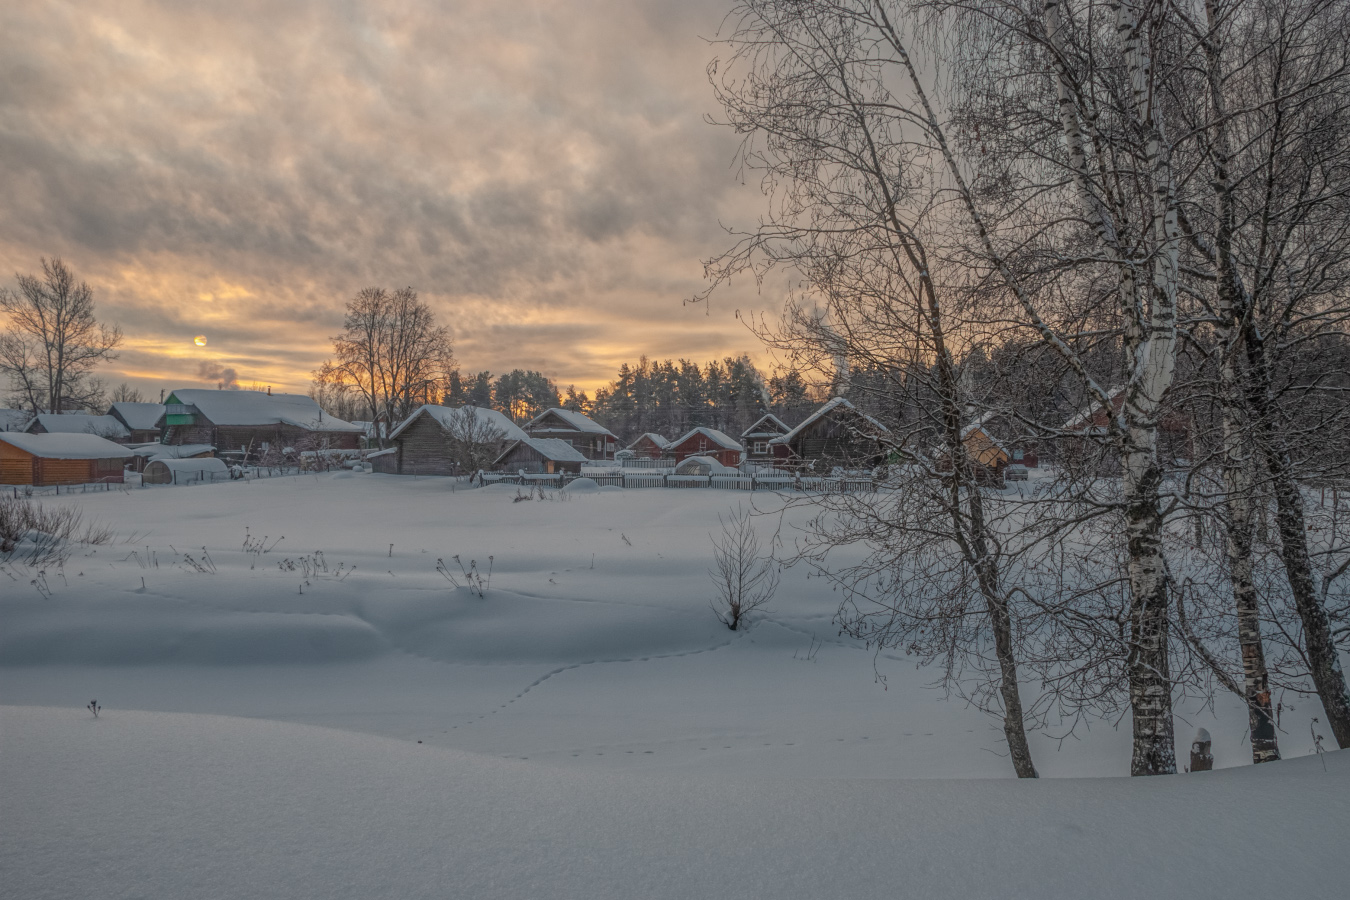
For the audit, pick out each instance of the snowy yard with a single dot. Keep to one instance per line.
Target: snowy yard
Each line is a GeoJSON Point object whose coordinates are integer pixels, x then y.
{"type": "Point", "coordinates": [333, 718]}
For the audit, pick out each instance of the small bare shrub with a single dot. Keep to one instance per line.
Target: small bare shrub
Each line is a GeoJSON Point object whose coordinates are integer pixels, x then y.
{"type": "Point", "coordinates": [744, 580]}
{"type": "Point", "coordinates": [49, 533]}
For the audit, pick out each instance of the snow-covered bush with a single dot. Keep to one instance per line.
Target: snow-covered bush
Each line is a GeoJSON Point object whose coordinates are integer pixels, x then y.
{"type": "Point", "coordinates": [36, 535]}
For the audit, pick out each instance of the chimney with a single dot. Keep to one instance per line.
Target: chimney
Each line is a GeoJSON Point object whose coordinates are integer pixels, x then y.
{"type": "Point", "coordinates": [269, 390]}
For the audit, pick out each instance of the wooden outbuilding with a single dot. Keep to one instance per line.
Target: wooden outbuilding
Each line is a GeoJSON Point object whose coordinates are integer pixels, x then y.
{"type": "Point", "coordinates": [540, 456]}
{"type": "Point", "coordinates": [708, 442]}
{"type": "Point", "coordinates": [650, 446]}
{"type": "Point", "coordinates": [245, 425]}
{"type": "Point", "coordinates": [756, 438]}
{"type": "Point", "coordinates": [142, 420]}
{"type": "Point", "coordinates": [1174, 431]}
{"type": "Point", "coordinates": [108, 427]}
{"type": "Point", "coordinates": [437, 440]}
{"type": "Point", "coordinates": [594, 440]}
{"type": "Point", "coordinates": [45, 459]}
{"type": "Point", "coordinates": [837, 434]}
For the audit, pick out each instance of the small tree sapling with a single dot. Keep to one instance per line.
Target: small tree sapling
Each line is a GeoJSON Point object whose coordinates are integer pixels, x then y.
{"type": "Point", "coordinates": [742, 579]}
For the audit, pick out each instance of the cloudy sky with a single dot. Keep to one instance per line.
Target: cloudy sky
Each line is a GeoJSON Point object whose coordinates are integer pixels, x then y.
{"type": "Point", "coordinates": [540, 171]}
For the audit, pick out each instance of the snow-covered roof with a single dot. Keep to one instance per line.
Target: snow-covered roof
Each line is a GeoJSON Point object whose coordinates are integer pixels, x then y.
{"type": "Point", "coordinates": [1084, 418]}
{"type": "Point", "coordinates": [14, 419]}
{"type": "Point", "coordinates": [171, 451]}
{"type": "Point", "coordinates": [137, 416]}
{"type": "Point", "coordinates": [833, 404]}
{"type": "Point", "coordinates": [776, 426]}
{"type": "Point", "coordinates": [259, 408]}
{"type": "Point", "coordinates": [713, 435]}
{"type": "Point", "coordinates": [65, 446]}
{"type": "Point", "coordinates": [655, 438]}
{"type": "Point", "coordinates": [490, 417]}
{"type": "Point", "coordinates": [80, 423]}
{"type": "Point", "coordinates": [572, 419]}
{"type": "Point", "coordinates": [555, 449]}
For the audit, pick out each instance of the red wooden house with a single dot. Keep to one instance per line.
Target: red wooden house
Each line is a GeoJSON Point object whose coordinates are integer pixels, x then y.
{"type": "Point", "coordinates": [707, 442]}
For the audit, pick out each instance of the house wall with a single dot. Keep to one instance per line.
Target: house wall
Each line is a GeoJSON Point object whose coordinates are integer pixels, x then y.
{"type": "Point", "coordinates": [424, 449]}
{"type": "Point", "coordinates": [829, 440]}
{"type": "Point", "coordinates": [16, 466]}
{"type": "Point", "coordinates": [591, 446]}
{"type": "Point", "coordinates": [647, 448]}
{"type": "Point", "coordinates": [229, 438]}
{"type": "Point", "coordinates": [525, 458]}
{"type": "Point", "coordinates": [699, 445]}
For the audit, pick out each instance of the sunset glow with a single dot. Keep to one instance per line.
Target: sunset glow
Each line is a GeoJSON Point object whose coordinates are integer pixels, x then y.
{"type": "Point", "coordinates": [542, 176]}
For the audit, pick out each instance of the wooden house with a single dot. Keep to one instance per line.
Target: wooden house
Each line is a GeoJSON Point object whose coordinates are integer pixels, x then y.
{"type": "Point", "coordinates": [245, 425]}
{"type": "Point", "coordinates": [540, 456]}
{"type": "Point", "coordinates": [107, 427]}
{"type": "Point", "coordinates": [142, 420]}
{"type": "Point", "coordinates": [837, 434]}
{"type": "Point", "coordinates": [439, 440]}
{"type": "Point", "coordinates": [756, 438]}
{"type": "Point", "coordinates": [1174, 431]}
{"type": "Point", "coordinates": [650, 446]}
{"type": "Point", "coordinates": [707, 442]}
{"type": "Point", "coordinates": [594, 440]}
{"type": "Point", "coordinates": [44, 459]}
{"type": "Point", "coordinates": [987, 455]}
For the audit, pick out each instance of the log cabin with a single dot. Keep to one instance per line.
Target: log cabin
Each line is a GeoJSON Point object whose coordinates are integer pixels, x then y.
{"type": "Point", "coordinates": [837, 434]}
{"type": "Point", "coordinates": [707, 442]}
{"type": "Point", "coordinates": [435, 440]}
{"type": "Point", "coordinates": [244, 425]}
{"type": "Point", "coordinates": [46, 459]}
{"type": "Point", "coordinates": [141, 419]}
{"type": "Point", "coordinates": [756, 438]}
{"type": "Point", "coordinates": [594, 440]}
{"type": "Point", "coordinates": [108, 427]}
{"type": "Point", "coordinates": [540, 456]}
{"type": "Point", "coordinates": [650, 446]}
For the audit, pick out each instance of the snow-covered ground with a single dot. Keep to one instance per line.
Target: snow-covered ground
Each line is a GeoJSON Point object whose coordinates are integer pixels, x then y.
{"type": "Point", "coordinates": [587, 728]}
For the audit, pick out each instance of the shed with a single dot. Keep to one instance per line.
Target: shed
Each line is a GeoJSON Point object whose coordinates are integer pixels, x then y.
{"type": "Point", "coordinates": [540, 456]}
{"type": "Point", "coordinates": [184, 471]}
{"type": "Point", "coordinates": [79, 423]}
{"type": "Point", "coordinates": [441, 440]}
{"type": "Point", "coordinates": [594, 440]}
{"type": "Point", "coordinates": [650, 446]}
{"type": "Point", "coordinates": [707, 442]}
{"type": "Point", "coordinates": [42, 459]}
{"type": "Point", "coordinates": [837, 434]}
{"type": "Point", "coordinates": [141, 419]}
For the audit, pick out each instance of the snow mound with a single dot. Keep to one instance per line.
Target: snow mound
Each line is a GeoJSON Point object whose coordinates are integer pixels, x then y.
{"type": "Point", "coordinates": [159, 805]}
{"type": "Point", "coordinates": [582, 486]}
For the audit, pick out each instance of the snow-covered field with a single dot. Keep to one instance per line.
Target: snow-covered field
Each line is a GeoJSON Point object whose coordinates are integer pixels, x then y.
{"type": "Point", "coordinates": [586, 728]}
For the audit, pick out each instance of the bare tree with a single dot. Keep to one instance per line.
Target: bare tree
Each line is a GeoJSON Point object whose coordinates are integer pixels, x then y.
{"type": "Point", "coordinates": [391, 352]}
{"type": "Point", "coordinates": [744, 581]}
{"type": "Point", "coordinates": [53, 343]}
{"type": "Point", "coordinates": [474, 441]}
{"type": "Point", "coordinates": [125, 393]}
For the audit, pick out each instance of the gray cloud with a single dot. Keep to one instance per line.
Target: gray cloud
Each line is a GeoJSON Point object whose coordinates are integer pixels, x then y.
{"type": "Point", "coordinates": [540, 172]}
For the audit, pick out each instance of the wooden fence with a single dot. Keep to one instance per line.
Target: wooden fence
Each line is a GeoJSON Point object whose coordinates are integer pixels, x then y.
{"type": "Point", "coordinates": [739, 482]}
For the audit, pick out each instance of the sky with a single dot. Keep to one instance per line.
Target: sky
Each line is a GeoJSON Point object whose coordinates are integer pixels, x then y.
{"type": "Point", "coordinates": [541, 172]}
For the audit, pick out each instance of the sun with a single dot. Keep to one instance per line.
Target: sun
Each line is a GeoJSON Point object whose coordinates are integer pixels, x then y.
{"type": "Point", "coordinates": [200, 340]}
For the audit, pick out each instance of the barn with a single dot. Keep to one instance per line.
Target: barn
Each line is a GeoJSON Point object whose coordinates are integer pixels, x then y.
{"type": "Point", "coordinates": [837, 434]}
{"type": "Point", "coordinates": [707, 442]}
{"type": "Point", "coordinates": [756, 438]}
{"type": "Point", "coordinates": [650, 446]}
{"type": "Point", "coordinates": [142, 420]}
{"type": "Point", "coordinates": [594, 440]}
{"type": "Point", "coordinates": [440, 440]}
{"type": "Point", "coordinates": [246, 424]}
{"type": "Point", "coordinates": [80, 423]}
{"type": "Point", "coordinates": [184, 471]}
{"type": "Point", "coordinates": [45, 459]}
{"type": "Point", "coordinates": [540, 456]}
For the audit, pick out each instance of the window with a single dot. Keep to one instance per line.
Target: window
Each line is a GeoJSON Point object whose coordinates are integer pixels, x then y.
{"type": "Point", "coordinates": [761, 447]}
